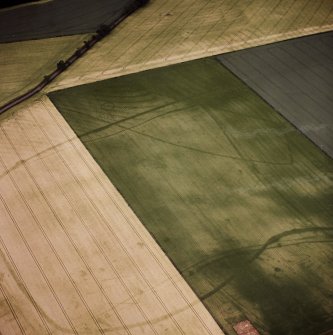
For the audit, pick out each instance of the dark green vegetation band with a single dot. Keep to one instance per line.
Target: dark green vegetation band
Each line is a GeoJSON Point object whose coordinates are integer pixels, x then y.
{"type": "Point", "coordinates": [296, 78]}
{"type": "Point", "coordinates": [239, 199]}
{"type": "Point", "coordinates": [58, 18]}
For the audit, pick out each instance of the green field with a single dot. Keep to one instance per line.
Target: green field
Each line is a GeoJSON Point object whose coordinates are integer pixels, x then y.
{"type": "Point", "coordinates": [238, 199]}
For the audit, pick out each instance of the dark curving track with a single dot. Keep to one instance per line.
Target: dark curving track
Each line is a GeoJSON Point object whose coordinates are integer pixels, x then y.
{"type": "Point", "coordinates": [103, 31]}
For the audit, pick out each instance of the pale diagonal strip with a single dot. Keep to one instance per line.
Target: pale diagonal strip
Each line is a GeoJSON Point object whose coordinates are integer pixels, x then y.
{"type": "Point", "coordinates": [75, 257]}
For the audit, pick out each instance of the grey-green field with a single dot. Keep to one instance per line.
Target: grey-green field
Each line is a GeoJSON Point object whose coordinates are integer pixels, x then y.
{"type": "Point", "coordinates": [238, 199]}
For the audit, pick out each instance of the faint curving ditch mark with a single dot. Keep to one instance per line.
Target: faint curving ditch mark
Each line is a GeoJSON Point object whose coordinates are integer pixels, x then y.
{"type": "Point", "coordinates": [203, 151]}
{"type": "Point", "coordinates": [28, 295]}
{"type": "Point", "coordinates": [109, 328]}
{"type": "Point", "coordinates": [239, 251]}
{"type": "Point", "coordinates": [274, 239]}
{"type": "Point", "coordinates": [24, 161]}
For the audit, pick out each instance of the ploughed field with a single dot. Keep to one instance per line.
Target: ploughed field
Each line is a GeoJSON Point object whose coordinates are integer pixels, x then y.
{"type": "Point", "coordinates": [296, 78]}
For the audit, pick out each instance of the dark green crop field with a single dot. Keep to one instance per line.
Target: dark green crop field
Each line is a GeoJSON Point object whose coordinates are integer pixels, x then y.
{"type": "Point", "coordinates": [52, 18]}
{"type": "Point", "coordinates": [238, 199]}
